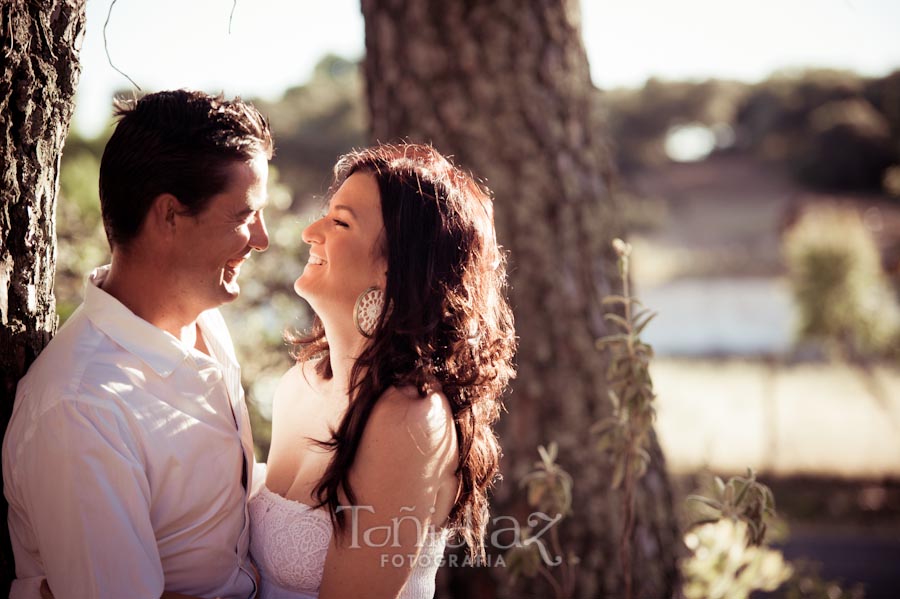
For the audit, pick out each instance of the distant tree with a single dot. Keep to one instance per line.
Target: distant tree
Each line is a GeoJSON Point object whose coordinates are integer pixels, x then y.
{"type": "Point", "coordinates": [39, 44]}
{"type": "Point", "coordinates": [834, 129]}
{"type": "Point", "coordinates": [848, 146]}
{"type": "Point", "coordinates": [504, 86]}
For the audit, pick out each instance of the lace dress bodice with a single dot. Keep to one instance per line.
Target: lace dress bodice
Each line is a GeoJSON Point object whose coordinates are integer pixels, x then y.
{"type": "Point", "coordinates": [289, 542]}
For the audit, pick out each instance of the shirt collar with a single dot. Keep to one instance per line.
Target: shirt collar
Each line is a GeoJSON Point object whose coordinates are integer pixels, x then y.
{"type": "Point", "coordinates": [158, 348]}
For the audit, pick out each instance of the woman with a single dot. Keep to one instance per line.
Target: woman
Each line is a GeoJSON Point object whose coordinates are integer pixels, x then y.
{"type": "Point", "coordinates": [382, 433]}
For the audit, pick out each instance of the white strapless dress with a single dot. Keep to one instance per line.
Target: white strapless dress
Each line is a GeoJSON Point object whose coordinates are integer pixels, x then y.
{"type": "Point", "coordinates": [289, 541]}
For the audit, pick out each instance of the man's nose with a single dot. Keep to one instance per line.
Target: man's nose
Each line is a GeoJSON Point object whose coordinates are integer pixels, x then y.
{"type": "Point", "coordinates": [259, 235]}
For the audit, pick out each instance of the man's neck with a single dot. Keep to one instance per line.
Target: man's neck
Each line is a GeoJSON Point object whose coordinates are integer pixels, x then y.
{"type": "Point", "coordinates": [142, 289]}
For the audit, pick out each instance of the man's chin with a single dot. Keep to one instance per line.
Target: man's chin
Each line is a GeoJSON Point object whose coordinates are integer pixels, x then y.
{"type": "Point", "coordinates": [232, 291]}
{"type": "Point", "coordinates": [229, 284]}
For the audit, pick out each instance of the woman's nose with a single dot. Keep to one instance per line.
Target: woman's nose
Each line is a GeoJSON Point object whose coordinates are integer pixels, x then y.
{"type": "Point", "coordinates": [313, 232]}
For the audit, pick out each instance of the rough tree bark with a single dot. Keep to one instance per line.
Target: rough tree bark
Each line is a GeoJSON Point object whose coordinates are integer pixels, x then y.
{"type": "Point", "coordinates": [39, 44]}
{"type": "Point", "coordinates": [504, 86]}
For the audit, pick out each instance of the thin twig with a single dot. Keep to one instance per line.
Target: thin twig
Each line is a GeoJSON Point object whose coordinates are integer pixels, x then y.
{"type": "Point", "coordinates": [557, 590]}
{"type": "Point", "coordinates": [231, 16]}
{"type": "Point", "coordinates": [568, 579]}
{"type": "Point", "coordinates": [106, 47]}
{"type": "Point", "coordinates": [627, 527]}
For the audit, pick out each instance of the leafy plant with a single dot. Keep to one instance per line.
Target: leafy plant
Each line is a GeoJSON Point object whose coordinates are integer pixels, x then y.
{"type": "Point", "coordinates": [842, 295]}
{"type": "Point", "coordinates": [549, 486]}
{"type": "Point", "coordinates": [549, 490]}
{"type": "Point", "coordinates": [625, 435]}
{"type": "Point", "coordinates": [741, 498]}
{"type": "Point", "coordinates": [730, 554]}
{"type": "Point", "coordinates": [725, 565]}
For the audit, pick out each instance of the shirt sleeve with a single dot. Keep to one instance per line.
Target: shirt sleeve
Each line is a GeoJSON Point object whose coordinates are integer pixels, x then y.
{"type": "Point", "coordinates": [88, 500]}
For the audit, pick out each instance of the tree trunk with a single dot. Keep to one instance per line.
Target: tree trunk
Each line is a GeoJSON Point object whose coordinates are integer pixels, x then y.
{"type": "Point", "coordinates": [504, 87]}
{"type": "Point", "coordinates": [39, 43]}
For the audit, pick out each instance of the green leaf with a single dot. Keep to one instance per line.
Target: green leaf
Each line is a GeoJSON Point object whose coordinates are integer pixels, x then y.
{"type": "Point", "coordinates": [729, 493]}
{"type": "Point", "coordinates": [705, 521]}
{"type": "Point", "coordinates": [602, 426]}
{"type": "Point", "coordinates": [532, 476]}
{"type": "Point", "coordinates": [553, 450]}
{"type": "Point", "coordinates": [614, 398]}
{"type": "Point", "coordinates": [615, 299]}
{"type": "Point", "coordinates": [536, 494]}
{"type": "Point", "coordinates": [640, 314]}
{"type": "Point", "coordinates": [742, 492]}
{"type": "Point", "coordinates": [639, 468]}
{"type": "Point", "coordinates": [604, 442]}
{"type": "Point", "coordinates": [706, 501]}
{"type": "Point", "coordinates": [642, 454]}
{"type": "Point", "coordinates": [618, 320]}
{"type": "Point", "coordinates": [618, 474]}
{"type": "Point", "coordinates": [640, 327]}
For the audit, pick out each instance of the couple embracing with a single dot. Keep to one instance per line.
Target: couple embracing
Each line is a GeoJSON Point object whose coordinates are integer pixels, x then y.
{"type": "Point", "coordinates": [128, 463]}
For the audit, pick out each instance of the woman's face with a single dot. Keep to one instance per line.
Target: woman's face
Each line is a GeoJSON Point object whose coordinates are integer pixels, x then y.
{"type": "Point", "coordinates": [345, 254]}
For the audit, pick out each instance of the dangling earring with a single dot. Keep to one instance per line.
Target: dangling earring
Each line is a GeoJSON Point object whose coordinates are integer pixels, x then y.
{"type": "Point", "coordinates": [368, 309]}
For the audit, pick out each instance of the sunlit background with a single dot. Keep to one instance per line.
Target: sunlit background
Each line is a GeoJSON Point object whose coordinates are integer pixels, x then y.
{"type": "Point", "coordinates": [752, 140]}
{"type": "Point", "coordinates": [275, 44]}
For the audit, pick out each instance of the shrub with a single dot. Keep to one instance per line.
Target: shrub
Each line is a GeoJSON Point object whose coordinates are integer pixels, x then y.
{"type": "Point", "coordinates": [724, 565]}
{"type": "Point", "coordinates": [848, 146]}
{"type": "Point", "coordinates": [842, 295]}
{"type": "Point", "coordinates": [772, 120]}
{"type": "Point", "coordinates": [884, 94]}
{"type": "Point", "coordinates": [890, 182]}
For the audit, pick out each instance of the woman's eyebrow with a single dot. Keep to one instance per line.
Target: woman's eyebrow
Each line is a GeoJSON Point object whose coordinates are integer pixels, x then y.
{"type": "Point", "coordinates": [345, 208]}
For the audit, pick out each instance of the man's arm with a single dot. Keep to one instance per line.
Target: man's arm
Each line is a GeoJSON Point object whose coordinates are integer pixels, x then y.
{"type": "Point", "coordinates": [46, 593]}
{"type": "Point", "coordinates": [87, 501]}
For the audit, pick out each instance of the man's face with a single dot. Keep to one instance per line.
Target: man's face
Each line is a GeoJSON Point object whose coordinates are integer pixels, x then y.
{"type": "Point", "coordinates": [212, 245]}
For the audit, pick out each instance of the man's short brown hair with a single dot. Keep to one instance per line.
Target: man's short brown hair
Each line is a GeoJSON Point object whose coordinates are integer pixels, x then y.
{"type": "Point", "coordinates": [179, 142]}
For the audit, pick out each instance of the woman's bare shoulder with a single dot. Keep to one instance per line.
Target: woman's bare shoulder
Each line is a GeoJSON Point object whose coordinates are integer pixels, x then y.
{"type": "Point", "coordinates": [293, 387]}
{"type": "Point", "coordinates": [423, 425]}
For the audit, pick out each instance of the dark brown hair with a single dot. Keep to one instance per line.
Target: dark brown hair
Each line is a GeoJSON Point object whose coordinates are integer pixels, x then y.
{"type": "Point", "coordinates": [179, 142]}
{"type": "Point", "coordinates": [446, 320]}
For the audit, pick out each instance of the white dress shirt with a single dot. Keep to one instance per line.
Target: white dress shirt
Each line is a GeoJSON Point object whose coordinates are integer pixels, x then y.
{"type": "Point", "coordinates": [127, 461]}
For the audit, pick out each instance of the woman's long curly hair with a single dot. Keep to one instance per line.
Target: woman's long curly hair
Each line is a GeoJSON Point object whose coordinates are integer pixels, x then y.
{"type": "Point", "coordinates": [446, 320]}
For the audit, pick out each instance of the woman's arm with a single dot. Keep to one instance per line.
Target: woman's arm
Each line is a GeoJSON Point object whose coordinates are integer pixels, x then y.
{"type": "Point", "coordinates": [404, 483]}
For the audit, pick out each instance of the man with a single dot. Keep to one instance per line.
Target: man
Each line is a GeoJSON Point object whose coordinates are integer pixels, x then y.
{"type": "Point", "coordinates": [128, 457]}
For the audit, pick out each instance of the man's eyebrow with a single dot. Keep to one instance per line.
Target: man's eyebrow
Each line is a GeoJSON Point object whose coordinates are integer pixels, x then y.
{"type": "Point", "coordinates": [253, 208]}
{"type": "Point", "coordinates": [258, 204]}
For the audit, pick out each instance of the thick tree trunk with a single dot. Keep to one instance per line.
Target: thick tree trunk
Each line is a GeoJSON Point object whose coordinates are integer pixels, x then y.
{"type": "Point", "coordinates": [504, 87]}
{"type": "Point", "coordinates": [39, 44]}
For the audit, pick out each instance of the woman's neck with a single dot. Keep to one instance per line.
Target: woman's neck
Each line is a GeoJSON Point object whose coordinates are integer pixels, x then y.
{"type": "Point", "coordinates": [345, 345]}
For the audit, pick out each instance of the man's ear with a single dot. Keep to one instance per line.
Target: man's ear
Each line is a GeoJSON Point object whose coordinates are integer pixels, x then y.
{"type": "Point", "coordinates": [162, 216]}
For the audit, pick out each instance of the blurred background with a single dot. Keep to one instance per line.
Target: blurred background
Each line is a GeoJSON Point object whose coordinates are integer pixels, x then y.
{"type": "Point", "coordinates": [758, 159]}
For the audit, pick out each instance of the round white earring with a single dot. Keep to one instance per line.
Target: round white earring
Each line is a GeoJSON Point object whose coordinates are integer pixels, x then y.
{"type": "Point", "coordinates": [367, 311]}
